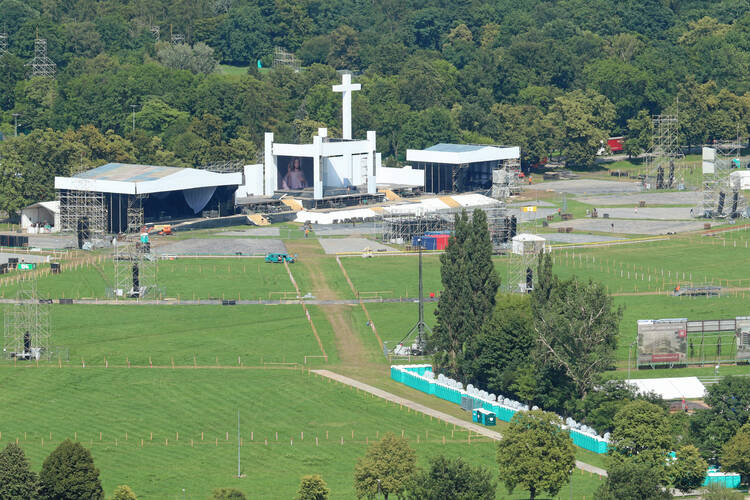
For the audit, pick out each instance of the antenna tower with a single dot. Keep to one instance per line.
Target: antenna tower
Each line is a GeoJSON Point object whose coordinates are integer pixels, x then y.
{"type": "Point", "coordinates": [42, 65]}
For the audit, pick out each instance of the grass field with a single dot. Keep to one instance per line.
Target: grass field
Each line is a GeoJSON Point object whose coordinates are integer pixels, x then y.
{"type": "Point", "coordinates": [170, 410]}
{"type": "Point", "coordinates": [187, 279]}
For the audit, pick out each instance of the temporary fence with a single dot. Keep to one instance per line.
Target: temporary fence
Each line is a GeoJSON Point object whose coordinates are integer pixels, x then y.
{"type": "Point", "coordinates": [421, 378]}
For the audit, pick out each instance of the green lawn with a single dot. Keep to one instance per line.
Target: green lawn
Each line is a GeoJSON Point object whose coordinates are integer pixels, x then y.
{"type": "Point", "coordinates": [394, 276]}
{"type": "Point", "coordinates": [171, 409]}
{"type": "Point", "coordinates": [205, 335]}
{"type": "Point", "coordinates": [187, 279]}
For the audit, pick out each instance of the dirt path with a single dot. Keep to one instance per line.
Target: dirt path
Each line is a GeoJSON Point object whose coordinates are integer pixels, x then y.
{"type": "Point", "coordinates": [476, 429]}
{"type": "Point", "coordinates": [350, 348]}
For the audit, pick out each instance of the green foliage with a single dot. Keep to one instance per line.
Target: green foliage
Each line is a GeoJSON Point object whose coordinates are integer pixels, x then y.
{"type": "Point", "coordinates": [196, 59]}
{"type": "Point", "coordinates": [689, 470]}
{"type": "Point", "coordinates": [385, 469]}
{"type": "Point", "coordinates": [641, 428]}
{"type": "Point", "coordinates": [124, 492]}
{"type": "Point", "coordinates": [17, 481]}
{"type": "Point", "coordinates": [582, 119]}
{"type": "Point", "coordinates": [720, 492]}
{"type": "Point", "coordinates": [576, 327]}
{"type": "Point", "coordinates": [735, 455]}
{"type": "Point", "coordinates": [452, 479]}
{"type": "Point", "coordinates": [227, 494]}
{"type": "Point", "coordinates": [470, 284]}
{"type": "Point", "coordinates": [640, 130]}
{"type": "Point", "coordinates": [632, 479]}
{"type": "Point", "coordinates": [535, 453]}
{"type": "Point", "coordinates": [313, 488]}
{"type": "Point", "coordinates": [69, 473]}
{"type": "Point", "coordinates": [729, 410]}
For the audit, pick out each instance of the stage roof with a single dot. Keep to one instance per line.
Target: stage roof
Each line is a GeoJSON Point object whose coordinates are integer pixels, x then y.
{"type": "Point", "coordinates": [460, 154]}
{"type": "Point", "coordinates": [123, 178]}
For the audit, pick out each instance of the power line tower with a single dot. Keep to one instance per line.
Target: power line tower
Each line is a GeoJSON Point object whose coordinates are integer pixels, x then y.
{"type": "Point", "coordinates": [27, 326]}
{"type": "Point", "coordinates": [42, 65]}
{"type": "Point", "coordinates": [664, 151]}
{"type": "Point", "coordinates": [175, 38]}
{"type": "Point", "coordinates": [3, 43]}
{"type": "Point", "coordinates": [721, 197]}
{"type": "Point", "coordinates": [155, 32]}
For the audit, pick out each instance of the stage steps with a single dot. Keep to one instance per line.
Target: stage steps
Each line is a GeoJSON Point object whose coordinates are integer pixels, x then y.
{"type": "Point", "coordinates": [450, 202]}
{"type": "Point", "coordinates": [258, 220]}
{"type": "Point", "coordinates": [293, 204]}
{"type": "Point", "coordinates": [390, 195]}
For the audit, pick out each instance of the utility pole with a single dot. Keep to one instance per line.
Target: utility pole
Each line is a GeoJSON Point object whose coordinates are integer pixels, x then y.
{"type": "Point", "coordinates": [133, 106]}
{"type": "Point", "coordinates": [15, 118]}
{"type": "Point", "coordinates": [239, 470]}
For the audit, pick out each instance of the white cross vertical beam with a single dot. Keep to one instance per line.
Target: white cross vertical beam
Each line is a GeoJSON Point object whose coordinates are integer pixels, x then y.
{"type": "Point", "coordinates": [346, 88]}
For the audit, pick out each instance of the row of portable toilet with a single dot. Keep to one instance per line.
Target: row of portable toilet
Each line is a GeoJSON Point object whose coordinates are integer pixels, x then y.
{"type": "Point", "coordinates": [726, 479]}
{"type": "Point", "coordinates": [413, 376]}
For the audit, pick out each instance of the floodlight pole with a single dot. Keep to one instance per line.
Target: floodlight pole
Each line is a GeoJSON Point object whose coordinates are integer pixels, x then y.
{"type": "Point", "coordinates": [420, 325]}
{"type": "Point", "coordinates": [239, 470]}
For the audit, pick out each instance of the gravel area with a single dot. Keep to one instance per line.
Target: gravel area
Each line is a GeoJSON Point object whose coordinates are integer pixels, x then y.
{"type": "Point", "coordinates": [222, 246]}
{"type": "Point", "coordinates": [345, 229]}
{"type": "Point", "coordinates": [22, 256]}
{"type": "Point", "coordinates": [588, 186]}
{"type": "Point", "coordinates": [256, 231]}
{"type": "Point", "coordinates": [539, 203]}
{"type": "Point", "coordinates": [654, 198]}
{"type": "Point", "coordinates": [339, 245]}
{"type": "Point", "coordinates": [56, 241]}
{"type": "Point", "coordinates": [651, 227]}
{"type": "Point", "coordinates": [577, 237]}
{"type": "Point", "coordinates": [541, 213]}
{"type": "Point", "coordinates": [675, 213]}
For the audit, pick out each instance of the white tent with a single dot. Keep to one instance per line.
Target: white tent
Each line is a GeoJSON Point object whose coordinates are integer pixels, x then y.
{"type": "Point", "coordinates": [35, 217]}
{"type": "Point", "coordinates": [527, 244]}
{"type": "Point", "coordinates": [671, 388]}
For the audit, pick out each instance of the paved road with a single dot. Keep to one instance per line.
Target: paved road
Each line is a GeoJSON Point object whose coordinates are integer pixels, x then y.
{"type": "Point", "coordinates": [477, 429]}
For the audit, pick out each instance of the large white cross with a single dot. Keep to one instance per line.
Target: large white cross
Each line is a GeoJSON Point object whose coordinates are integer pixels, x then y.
{"type": "Point", "coordinates": [346, 88]}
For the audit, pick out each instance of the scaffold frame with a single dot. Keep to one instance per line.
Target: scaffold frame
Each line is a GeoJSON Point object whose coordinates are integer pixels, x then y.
{"type": "Point", "coordinates": [721, 198]}
{"type": "Point", "coordinates": [665, 150]}
{"type": "Point", "coordinates": [135, 269]}
{"type": "Point", "coordinates": [76, 205]}
{"type": "Point", "coordinates": [283, 58]}
{"type": "Point", "coordinates": [27, 323]}
{"type": "Point", "coordinates": [42, 65]}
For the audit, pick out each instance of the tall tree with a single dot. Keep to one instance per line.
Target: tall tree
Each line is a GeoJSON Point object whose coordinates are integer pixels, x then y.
{"type": "Point", "coordinates": [68, 473]}
{"type": "Point", "coordinates": [17, 481]}
{"type": "Point", "coordinates": [313, 488]}
{"type": "Point", "coordinates": [631, 479]}
{"type": "Point", "coordinates": [576, 329]}
{"type": "Point", "coordinates": [641, 428]}
{"type": "Point", "coordinates": [452, 479]}
{"type": "Point", "coordinates": [535, 453]}
{"type": "Point", "coordinates": [688, 471]}
{"type": "Point", "coordinates": [735, 455]}
{"type": "Point", "coordinates": [385, 469]}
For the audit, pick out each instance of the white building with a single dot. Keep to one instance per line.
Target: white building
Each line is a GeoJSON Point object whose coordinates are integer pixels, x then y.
{"type": "Point", "coordinates": [37, 217]}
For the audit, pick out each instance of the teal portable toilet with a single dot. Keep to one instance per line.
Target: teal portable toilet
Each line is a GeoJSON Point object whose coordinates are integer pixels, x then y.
{"type": "Point", "coordinates": [489, 418]}
{"type": "Point", "coordinates": [476, 416]}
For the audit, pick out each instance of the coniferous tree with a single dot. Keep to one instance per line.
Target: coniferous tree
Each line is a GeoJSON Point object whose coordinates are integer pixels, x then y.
{"type": "Point", "coordinates": [68, 473]}
{"type": "Point", "coordinates": [17, 481]}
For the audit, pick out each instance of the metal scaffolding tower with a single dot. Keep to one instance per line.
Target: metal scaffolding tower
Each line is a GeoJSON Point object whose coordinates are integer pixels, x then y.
{"type": "Point", "coordinates": [155, 32]}
{"type": "Point", "coordinates": [505, 180]}
{"type": "Point", "coordinates": [135, 214]}
{"type": "Point", "coordinates": [42, 65]}
{"type": "Point", "coordinates": [27, 325]}
{"type": "Point", "coordinates": [521, 265]}
{"type": "Point", "coordinates": [3, 43]}
{"type": "Point", "coordinates": [402, 228]}
{"type": "Point", "coordinates": [283, 58]}
{"type": "Point", "coordinates": [721, 198]}
{"type": "Point", "coordinates": [86, 206]}
{"type": "Point", "coordinates": [134, 269]}
{"type": "Point", "coordinates": [664, 151]}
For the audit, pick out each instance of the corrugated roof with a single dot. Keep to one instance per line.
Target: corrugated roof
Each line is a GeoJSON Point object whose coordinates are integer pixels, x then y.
{"type": "Point", "coordinates": [125, 172]}
{"type": "Point", "coordinates": [455, 148]}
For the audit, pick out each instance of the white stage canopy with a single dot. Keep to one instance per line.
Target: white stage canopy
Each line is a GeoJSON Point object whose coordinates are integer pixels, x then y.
{"type": "Point", "coordinates": [461, 154]}
{"type": "Point", "coordinates": [123, 178]}
{"type": "Point", "coordinates": [671, 388]}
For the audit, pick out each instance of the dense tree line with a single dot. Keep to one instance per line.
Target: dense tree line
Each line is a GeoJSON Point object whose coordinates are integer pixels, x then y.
{"type": "Point", "coordinates": [552, 77]}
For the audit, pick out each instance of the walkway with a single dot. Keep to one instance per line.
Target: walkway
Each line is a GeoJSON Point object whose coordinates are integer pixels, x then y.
{"type": "Point", "coordinates": [477, 429]}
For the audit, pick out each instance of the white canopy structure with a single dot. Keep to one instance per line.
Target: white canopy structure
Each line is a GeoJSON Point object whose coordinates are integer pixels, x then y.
{"type": "Point", "coordinates": [527, 244]}
{"type": "Point", "coordinates": [460, 167]}
{"type": "Point", "coordinates": [671, 388]}
{"type": "Point", "coordinates": [35, 218]}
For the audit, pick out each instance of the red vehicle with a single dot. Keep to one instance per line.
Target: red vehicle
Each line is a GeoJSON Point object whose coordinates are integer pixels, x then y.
{"type": "Point", "coordinates": [616, 144]}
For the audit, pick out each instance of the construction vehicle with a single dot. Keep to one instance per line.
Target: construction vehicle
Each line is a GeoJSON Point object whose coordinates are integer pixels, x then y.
{"type": "Point", "coordinates": [279, 258]}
